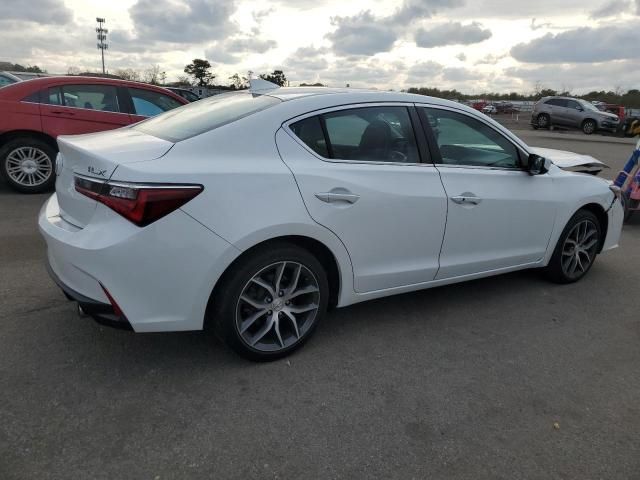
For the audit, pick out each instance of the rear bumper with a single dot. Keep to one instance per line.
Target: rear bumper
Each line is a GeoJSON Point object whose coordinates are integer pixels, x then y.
{"type": "Point", "coordinates": [102, 313]}
{"type": "Point", "coordinates": [160, 276]}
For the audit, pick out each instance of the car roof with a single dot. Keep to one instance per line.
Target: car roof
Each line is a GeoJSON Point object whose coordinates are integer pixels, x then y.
{"type": "Point", "coordinates": [19, 90]}
{"type": "Point", "coordinates": [357, 95]}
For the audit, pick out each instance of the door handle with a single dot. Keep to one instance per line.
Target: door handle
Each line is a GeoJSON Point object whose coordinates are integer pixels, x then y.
{"type": "Point", "coordinates": [61, 112]}
{"type": "Point", "coordinates": [333, 197]}
{"type": "Point", "coordinates": [466, 200]}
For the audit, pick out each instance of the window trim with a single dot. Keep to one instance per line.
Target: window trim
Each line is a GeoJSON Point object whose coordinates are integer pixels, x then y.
{"type": "Point", "coordinates": [286, 126]}
{"type": "Point", "coordinates": [433, 144]}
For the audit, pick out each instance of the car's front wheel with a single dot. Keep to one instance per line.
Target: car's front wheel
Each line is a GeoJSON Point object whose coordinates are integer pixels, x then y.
{"type": "Point", "coordinates": [589, 127]}
{"type": "Point", "coordinates": [27, 164]}
{"type": "Point", "coordinates": [576, 249]}
{"type": "Point", "coordinates": [271, 301]}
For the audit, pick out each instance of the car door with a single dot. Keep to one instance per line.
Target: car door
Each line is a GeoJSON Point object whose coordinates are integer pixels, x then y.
{"type": "Point", "coordinates": [559, 114]}
{"type": "Point", "coordinates": [148, 103]}
{"type": "Point", "coordinates": [499, 216]}
{"type": "Point", "coordinates": [364, 174]}
{"type": "Point", "coordinates": [82, 108]}
{"type": "Point", "coordinates": [574, 113]}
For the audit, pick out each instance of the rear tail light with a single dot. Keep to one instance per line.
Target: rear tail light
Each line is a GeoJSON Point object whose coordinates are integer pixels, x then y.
{"type": "Point", "coordinates": [139, 203]}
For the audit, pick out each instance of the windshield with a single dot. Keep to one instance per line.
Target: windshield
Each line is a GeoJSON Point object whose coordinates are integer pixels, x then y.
{"type": "Point", "coordinates": [588, 106]}
{"type": "Point", "coordinates": [204, 115]}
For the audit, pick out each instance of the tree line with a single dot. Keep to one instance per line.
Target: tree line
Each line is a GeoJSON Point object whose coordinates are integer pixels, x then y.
{"type": "Point", "coordinates": [199, 73]}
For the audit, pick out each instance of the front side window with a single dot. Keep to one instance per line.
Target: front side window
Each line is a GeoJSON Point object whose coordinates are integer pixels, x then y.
{"type": "Point", "coordinates": [90, 97]}
{"type": "Point", "coordinates": [465, 141]}
{"type": "Point", "coordinates": [382, 134]}
{"type": "Point", "coordinates": [149, 103]}
{"type": "Point", "coordinates": [574, 105]}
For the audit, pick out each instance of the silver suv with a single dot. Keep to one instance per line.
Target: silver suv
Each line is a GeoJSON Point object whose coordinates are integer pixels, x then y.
{"type": "Point", "coordinates": [572, 112]}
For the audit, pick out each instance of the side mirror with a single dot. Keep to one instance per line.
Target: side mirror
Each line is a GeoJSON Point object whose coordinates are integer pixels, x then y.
{"type": "Point", "coordinates": [538, 165]}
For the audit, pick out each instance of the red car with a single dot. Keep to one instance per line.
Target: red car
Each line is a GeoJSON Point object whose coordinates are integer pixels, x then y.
{"type": "Point", "coordinates": [33, 113]}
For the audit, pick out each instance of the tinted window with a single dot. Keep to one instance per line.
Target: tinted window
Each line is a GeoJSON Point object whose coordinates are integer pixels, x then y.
{"type": "Point", "coordinates": [557, 102]}
{"type": "Point", "coordinates": [310, 132]}
{"type": "Point", "coordinates": [463, 140]}
{"type": "Point", "coordinates": [33, 98]}
{"type": "Point", "coordinates": [150, 103]}
{"type": "Point", "coordinates": [54, 97]}
{"type": "Point", "coordinates": [574, 105]}
{"type": "Point", "coordinates": [204, 115]}
{"type": "Point", "coordinates": [91, 97]}
{"type": "Point", "coordinates": [383, 134]}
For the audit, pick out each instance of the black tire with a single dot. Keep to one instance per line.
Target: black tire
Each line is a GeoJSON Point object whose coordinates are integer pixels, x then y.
{"type": "Point", "coordinates": [7, 153]}
{"type": "Point", "coordinates": [226, 304]}
{"type": "Point", "coordinates": [555, 270]}
{"type": "Point", "coordinates": [589, 126]}
{"type": "Point", "coordinates": [543, 120]}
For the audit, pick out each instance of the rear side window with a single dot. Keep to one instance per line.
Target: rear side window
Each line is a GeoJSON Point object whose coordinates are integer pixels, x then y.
{"type": "Point", "coordinates": [379, 134]}
{"type": "Point", "coordinates": [310, 132]}
{"type": "Point", "coordinates": [54, 97]}
{"type": "Point", "coordinates": [150, 103]}
{"type": "Point", "coordinates": [91, 97]}
{"type": "Point", "coordinates": [205, 115]}
{"type": "Point", "coordinates": [557, 102]}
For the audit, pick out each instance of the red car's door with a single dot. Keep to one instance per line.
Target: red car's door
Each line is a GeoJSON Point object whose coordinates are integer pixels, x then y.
{"type": "Point", "coordinates": [82, 108]}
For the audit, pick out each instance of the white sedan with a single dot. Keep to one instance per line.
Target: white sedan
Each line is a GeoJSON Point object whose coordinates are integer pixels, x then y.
{"type": "Point", "coordinates": [254, 212]}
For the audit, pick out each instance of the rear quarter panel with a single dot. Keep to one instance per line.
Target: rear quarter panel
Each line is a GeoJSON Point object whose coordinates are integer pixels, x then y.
{"type": "Point", "coordinates": [249, 196]}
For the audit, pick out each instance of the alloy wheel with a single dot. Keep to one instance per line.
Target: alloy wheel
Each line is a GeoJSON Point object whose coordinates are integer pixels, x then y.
{"type": "Point", "coordinates": [277, 306]}
{"type": "Point", "coordinates": [589, 127]}
{"type": "Point", "coordinates": [543, 121]}
{"type": "Point", "coordinates": [579, 249]}
{"type": "Point", "coordinates": [29, 166]}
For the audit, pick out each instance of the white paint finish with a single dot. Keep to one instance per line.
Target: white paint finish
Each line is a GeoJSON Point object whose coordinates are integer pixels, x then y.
{"type": "Point", "coordinates": [162, 275]}
{"type": "Point", "coordinates": [393, 232]}
{"type": "Point", "coordinates": [510, 226]}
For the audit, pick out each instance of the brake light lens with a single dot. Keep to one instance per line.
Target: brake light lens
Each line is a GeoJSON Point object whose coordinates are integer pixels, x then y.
{"type": "Point", "coordinates": [141, 204]}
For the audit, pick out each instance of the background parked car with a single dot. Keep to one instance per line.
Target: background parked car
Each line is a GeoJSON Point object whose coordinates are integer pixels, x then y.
{"type": "Point", "coordinates": [188, 95]}
{"type": "Point", "coordinates": [490, 109]}
{"type": "Point", "coordinates": [8, 78]}
{"type": "Point", "coordinates": [572, 112]}
{"type": "Point", "coordinates": [34, 113]}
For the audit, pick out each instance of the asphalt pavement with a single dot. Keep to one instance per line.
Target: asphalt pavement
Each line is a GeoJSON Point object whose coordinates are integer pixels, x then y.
{"type": "Point", "coordinates": [504, 378]}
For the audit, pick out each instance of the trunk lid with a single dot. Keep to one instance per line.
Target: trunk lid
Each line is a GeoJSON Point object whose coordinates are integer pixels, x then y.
{"type": "Point", "coordinates": [97, 155]}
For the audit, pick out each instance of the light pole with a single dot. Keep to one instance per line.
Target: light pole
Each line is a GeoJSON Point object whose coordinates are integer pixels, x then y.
{"type": "Point", "coordinates": [102, 39]}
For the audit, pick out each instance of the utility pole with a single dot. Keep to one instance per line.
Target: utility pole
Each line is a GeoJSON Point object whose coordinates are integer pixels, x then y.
{"type": "Point", "coordinates": [102, 39]}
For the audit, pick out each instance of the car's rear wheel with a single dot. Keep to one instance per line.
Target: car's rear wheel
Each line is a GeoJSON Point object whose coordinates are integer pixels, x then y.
{"type": "Point", "coordinates": [544, 121]}
{"type": "Point", "coordinates": [271, 302]}
{"type": "Point", "coordinates": [589, 127]}
{"type": "Point", "coordinates": [27, 164]}
{"type": "Point", "coordinates": [576, 249]}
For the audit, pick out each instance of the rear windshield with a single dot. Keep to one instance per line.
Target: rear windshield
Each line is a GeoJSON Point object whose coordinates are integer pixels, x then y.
{"type": "Point", "coordinates": [204, 115]}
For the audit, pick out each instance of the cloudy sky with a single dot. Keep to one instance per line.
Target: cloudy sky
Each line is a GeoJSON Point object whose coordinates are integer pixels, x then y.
{"type": "Point", "coordinates": [471, 45]}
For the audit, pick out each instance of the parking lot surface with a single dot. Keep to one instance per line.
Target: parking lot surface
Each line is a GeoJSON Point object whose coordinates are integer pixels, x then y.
{"type": "Point", "coordinates": [504, 378]}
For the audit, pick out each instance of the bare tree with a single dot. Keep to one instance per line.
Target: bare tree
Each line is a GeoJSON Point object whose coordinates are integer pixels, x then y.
{"type": "Point", "coordinates": [128, 74]}
{"type": "Point", "coordinates": [73, 70]}
{"type": "Point", "coordinates": [154, 75]}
